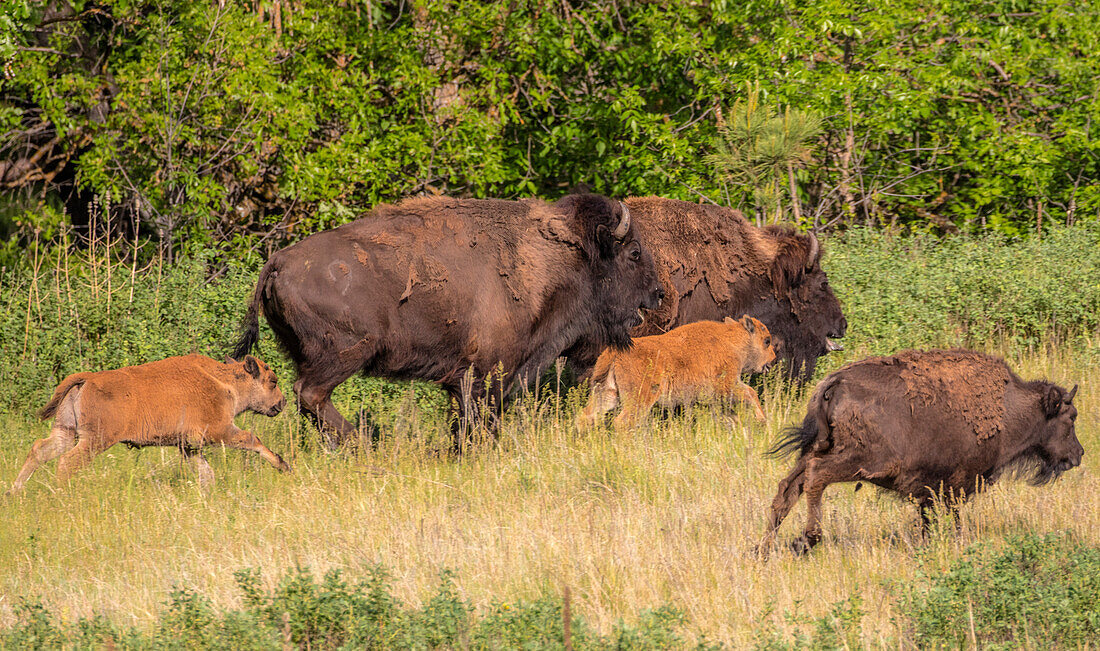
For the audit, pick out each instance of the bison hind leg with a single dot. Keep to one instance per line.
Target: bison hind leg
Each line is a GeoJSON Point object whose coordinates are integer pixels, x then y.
{"type": "Point", "coordinates": [61, 440]}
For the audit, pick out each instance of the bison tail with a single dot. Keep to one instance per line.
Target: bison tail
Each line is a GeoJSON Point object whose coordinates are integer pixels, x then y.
{"type": "Point", "coordinates": [816, 423]}
{"type": "Point", "coordinates": [62, 390]}
{"type": "Point", "coordinates": [800, 438]}
{"type": "Point", "coordinates": [250, 326]}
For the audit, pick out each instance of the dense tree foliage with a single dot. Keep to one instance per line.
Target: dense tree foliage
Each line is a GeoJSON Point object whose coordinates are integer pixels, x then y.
{"type": "Point", "coordinates": [222, 119]}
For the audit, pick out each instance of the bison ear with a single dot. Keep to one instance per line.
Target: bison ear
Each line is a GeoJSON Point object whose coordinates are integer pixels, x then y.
{"type": "Point", "coordinates": [1052, 401]}
{"type": "Point", "coordinates": [788, 266]}
{"type": "Point", "coordinates": [730, 320]}
{"type": "Point", "coordinates": [229, 360]}
{"type": "Point", "coordinates": [251, 366]}
{"type": "Point", "coordinates": [605, 240]}
{"type": "Point", "coordinates": [746, 321]}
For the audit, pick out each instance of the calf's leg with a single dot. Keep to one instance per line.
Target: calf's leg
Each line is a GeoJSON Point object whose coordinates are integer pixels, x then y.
{"type": "Point", "coordinates": [744, 393]}
{"type": "Point", "coordinates": [202, 468]}
{"type": "Point", "coordinates": [235, 437]}
{"type": "Point", "coordinates": [86, 449]}
{"type": "Point", "coordinates": [604, 399]}
{"type": "Point", "coordinates": [60, 441]}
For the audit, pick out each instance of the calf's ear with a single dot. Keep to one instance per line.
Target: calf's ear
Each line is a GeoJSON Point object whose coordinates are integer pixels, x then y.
{"type": "Point", "coordinates": [229, 360]}
{"type": "Point", "coordinates": [1051, 401]}
{"type": "Point", "coordinates": [730, 320]}
{"type": "Point", "coordinates": [251, 366]}
{"type": "Point", "coordinates": [749, 325]}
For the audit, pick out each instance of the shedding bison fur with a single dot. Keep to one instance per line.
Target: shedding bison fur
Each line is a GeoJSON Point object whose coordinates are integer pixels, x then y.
{"type": "Point", "coordinates": [713, 264]}
{"type": "Point", "coordinates": [439, 289]}
{"type": "Point", "coordinates": [937, 425]}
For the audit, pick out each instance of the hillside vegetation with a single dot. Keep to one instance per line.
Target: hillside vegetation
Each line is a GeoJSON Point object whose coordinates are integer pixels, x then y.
{"type": "Point", "coordinates": [216, 120]}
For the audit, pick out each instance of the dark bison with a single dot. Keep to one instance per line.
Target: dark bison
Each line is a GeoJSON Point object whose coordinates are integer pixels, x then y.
{"type": "Point", "coordinates": [925, 424]}
{"type": "Point", "coordinates": [429, 288]}
{"type": "Point", "coordinates": [714, 264]}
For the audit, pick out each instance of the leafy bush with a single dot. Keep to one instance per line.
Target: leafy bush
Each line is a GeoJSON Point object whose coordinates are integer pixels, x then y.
{"type": "Point", "coordinates": [337, 614]}
{"type": "Point", "coordinates": [1037, 592]}
{"type": "Point", "coordinates": [208, 120]}
{"type": "Point", "coordinates": [901, 292]}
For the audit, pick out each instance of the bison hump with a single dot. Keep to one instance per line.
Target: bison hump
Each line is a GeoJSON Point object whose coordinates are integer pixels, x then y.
{"type": "Point", "coordinates": [968, 386]}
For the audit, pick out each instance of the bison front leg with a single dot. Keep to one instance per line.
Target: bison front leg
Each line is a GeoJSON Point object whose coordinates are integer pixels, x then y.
{"type": "Point", "coordinates": [60, 441]}
{"type": "Point", "coordinates": [235, 437]}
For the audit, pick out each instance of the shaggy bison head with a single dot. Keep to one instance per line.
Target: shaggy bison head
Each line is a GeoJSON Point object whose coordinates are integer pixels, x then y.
{"type": "Point", "coordinates": [802, 311]}
{"type": "Point", "coordinates": [1057, 448]}
{"type": "Point", "coordinates": [623, 274]}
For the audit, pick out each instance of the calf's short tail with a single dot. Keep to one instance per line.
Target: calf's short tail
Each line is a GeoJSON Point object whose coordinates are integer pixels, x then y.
{"type": "Point", "coordinates": [814, 426]}
{"type": "Point", "coordinates": [62, 390]}
{"type": "Point", "coordinates": [250, 326]}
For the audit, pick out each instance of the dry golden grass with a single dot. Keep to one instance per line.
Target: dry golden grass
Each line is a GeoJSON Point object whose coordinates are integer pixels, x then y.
{"type": "Point", "coordinates": [666, 514]}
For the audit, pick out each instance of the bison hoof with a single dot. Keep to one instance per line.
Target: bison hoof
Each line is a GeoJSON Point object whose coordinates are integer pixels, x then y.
{"type": "Point", "coordinates": [802, 545]}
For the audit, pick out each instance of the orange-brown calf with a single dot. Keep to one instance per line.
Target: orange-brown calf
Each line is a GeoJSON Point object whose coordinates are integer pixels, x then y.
{"type": "Point", "coordinates": [698, 361]}
{"type": "Point", "coordinates": [185, 402]}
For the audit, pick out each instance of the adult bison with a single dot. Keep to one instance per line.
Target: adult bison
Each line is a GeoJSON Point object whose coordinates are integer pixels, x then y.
{"type": "Point", "coordinates": [714, 264]}
{"type": "Point", "coordinates": [429, 288]}
{"type": "Point", "coordinates": [925, 424]}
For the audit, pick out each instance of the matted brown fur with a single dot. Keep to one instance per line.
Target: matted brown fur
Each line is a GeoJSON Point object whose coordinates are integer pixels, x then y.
{"type": "Point", "coordinates": [965, 384]}
{"type": "Point", "coordinates": [185, 402]}
{"type": "Point", "coordinates": [683, 247]}
{"type": "Point", "coordinates": [698, 361]}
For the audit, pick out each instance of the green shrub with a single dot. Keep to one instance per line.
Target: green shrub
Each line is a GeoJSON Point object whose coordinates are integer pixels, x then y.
{"type": "Point", "coordinates": [337, 614]}
{"type": "Point", "coordinates": [1036, 591]}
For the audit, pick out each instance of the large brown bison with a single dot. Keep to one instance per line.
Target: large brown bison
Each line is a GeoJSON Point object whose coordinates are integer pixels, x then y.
{"type": "Point", "coordinates": [714, 264]}
{"type": "Point", "coordinates": [927, 425]}
{"type": "Point", "coordinates": [429, 288]}
{"type": "Point", "coordinates": [184, 402]}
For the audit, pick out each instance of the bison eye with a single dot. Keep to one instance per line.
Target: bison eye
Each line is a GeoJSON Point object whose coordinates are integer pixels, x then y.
{"type": "Point", "coordinates": [635, 255]}
{"type": "Point", "coordinates": [767, 341]}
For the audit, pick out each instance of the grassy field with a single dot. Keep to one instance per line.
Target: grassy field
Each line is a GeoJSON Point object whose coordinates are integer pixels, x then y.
{"type": "Point", "coordinates": [666, 514]}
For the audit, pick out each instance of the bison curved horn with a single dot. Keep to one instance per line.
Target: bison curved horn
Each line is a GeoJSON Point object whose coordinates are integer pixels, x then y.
{"type": "Point", "coordinates": [1072, 392]}
{"type": "Point", "coordinates": [815, 250]}
{"type": "Point", "coordinates": [624, 223]}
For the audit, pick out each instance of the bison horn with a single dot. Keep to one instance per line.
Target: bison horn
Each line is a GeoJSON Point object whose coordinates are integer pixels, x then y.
{"type": "Point", "coordinates": [1072, 392]}
{"type": "Point", "coordinates": [624, 223]}
{"type": "Point", "coordinates": [815, 249]}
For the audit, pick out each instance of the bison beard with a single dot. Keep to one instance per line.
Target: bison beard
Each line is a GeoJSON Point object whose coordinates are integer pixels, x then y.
{"type": "Point", "coordinates": [430, 288]}
{"type": "Point", "coordinates": [939, 424]}
{"type": "Point", "coordinates": [713, 264]}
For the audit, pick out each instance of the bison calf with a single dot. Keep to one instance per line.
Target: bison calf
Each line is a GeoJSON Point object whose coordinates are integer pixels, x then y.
{"type": "Point", "coordinates": [698, 361]}
{"type": "Point", "coordinates": [186, 402]}
{"type": "Point", "coordinates": [925, 424]}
